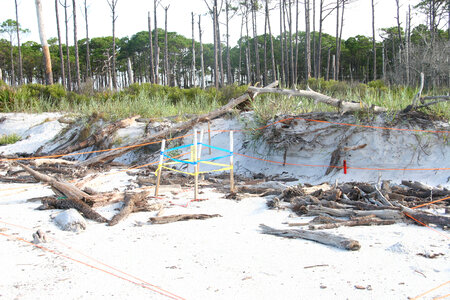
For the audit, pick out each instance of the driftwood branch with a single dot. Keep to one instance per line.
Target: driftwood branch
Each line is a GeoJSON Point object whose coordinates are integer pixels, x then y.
{"type": "Point", "coordinates": [74, 196]}
{"type": "Point", "coordinates": [317, 236]}
{"type": "Point", "coordinates": [343, 106]}
{"type": "Point", "coordinates": [176, 218]}
{"type": "Point", "coordinates": [109, 156]}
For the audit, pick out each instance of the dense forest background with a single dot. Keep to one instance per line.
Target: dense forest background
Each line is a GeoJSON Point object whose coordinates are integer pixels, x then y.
{"type": "Point", "coordinates": [395, 55]}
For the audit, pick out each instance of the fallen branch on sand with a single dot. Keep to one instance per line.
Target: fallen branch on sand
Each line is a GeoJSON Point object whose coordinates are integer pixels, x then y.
{"type": "Point", "coordinates": [177, 218]}
{"type": "Point", "coordinates": [317, 236]}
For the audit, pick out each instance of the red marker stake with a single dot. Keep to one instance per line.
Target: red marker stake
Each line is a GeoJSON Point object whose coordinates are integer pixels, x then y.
{"type": "Point", "coordinates": [345, 167]}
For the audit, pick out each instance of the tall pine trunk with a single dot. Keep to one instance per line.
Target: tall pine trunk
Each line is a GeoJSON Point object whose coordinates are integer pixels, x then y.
{"type": "Point", "coordinates": [45, 49]}
{"type": "Point", "coordinates": [272, 54]}
{"type": "Point", "coordinates": [216, 47]}
{"type": "Point", "coordinates": [88, 54]}
{"type": "Point", "coordinates": [113, 5]}
{"type": "Point", "coordinates": [66, 21]}
{"type": "Point", "coordinates": [319, 50]}
{"type": "Point", "coordinates": [193, 83]}
{"type": "Point", "coordinates": [75, 38]}
{"type": "Point", "coordinates": [61, 55]}
{"type": "Point", "coordinates": [296, 42]}
{"type": "Point", "coordinates": [374, 49]}
{"type": "Point", "coordinates": [18, 46]}
{"type": "Point", "coordinates": [156, 45]}
{"type": "Point", "coordinates": [202, 64]}
{"type": "Point", "coordinates": [255, 42]}
{"type": "Point", "coordinates": [308, 41]}
{"type": "Point", "coordinates": [152, 69]}
{"type": "Point", "coordinates": [335, 67]}
{"type": "Point", "coordinates": [283, 74]}
{"type": "Point", "coordinates": [166, 50]}
{"type": "Point", "coordinates": [230, 78]}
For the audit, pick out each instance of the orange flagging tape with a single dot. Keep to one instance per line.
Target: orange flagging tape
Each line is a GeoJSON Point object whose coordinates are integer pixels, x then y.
{"type": "Point", "coordinates": [435, 201]}
{"type": "Point", "coordinates": [444, 235]}
{"type": "Point", "coordinates": [96, 151]}
{"type": "Point", "coordinates": [433, 289]}
{"type": "Point", "coordinates": [236, 130]}
{"type": "Point", "coordinates": [144, 285]}
{"type": "Point", "coordinates": [342, 167]}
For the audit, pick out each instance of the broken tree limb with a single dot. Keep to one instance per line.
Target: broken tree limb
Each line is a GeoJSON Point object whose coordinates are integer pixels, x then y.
{"type": "Point", "coordinates": [176, 218]}
{"type": "Point", "coordinates": [127, 208]}
{"type": "Point", "coordinates": [358, 222]}
{"type": "Point", "coordinates": [109, 156]}
{"type": "Point", "coordinates": [317, 236]}
{"type": "Point", "coordinates": [343, 106]}
{"type": "Point", "coordinates": [98, 136]}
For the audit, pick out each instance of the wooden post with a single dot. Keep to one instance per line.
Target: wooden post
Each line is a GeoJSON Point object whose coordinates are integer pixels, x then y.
{"type": "Point", "coordinates": [209, 136]}
{"type": "Point", "coordinates": [195, 159]}
{"type": "Point", "coordinates": [231, 163]}
{"type": "Point", "coordinates": [158, 179]}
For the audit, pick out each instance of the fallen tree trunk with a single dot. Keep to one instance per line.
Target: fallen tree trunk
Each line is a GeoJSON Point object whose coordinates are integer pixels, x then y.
{"type": "Point", "coordinates": [109, 156]}
{"type": "Point", "coordinates": [176, 218]}
{"type": "Point", "coordinates": [317, 236]}
{"type": "Point", "coordinates": [441, 221]}
{"type": "Point", "coordinates": [98, 136]}
{"type": "Point", "coordinates": [343, 106]}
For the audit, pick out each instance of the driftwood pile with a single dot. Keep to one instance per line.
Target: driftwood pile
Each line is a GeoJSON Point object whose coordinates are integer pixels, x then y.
{"type": "Point", "coordinates": [355, 204]}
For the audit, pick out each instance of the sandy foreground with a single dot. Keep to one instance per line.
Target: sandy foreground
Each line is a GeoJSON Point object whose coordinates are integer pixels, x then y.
{"type": "Point", "coordinates": [219, 258]}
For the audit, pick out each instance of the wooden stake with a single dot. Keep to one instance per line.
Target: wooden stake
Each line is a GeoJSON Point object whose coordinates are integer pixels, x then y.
{"type": "Point", "coordinates": [209, 137]}
{"type": "Point", "coordinates": [231, 163]}
{"type": "Point", "coordinates": [158, 179]}
{"type": "Point", "coordinates": [195, 159]}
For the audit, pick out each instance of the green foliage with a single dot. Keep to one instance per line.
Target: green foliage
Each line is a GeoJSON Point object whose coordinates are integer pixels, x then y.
{"type": "Point", "coordinates": [9, 139]}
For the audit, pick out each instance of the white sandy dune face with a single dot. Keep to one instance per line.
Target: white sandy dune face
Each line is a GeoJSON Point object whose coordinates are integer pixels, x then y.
{"type": "Point", "coordinates": [219, 258]}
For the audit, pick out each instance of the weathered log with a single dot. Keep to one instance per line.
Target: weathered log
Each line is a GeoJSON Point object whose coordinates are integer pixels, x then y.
{"type": "Point", "coordinates": [51, 161]}
{"type": "Point", "coordinates": [109, 156]}
{"type": "Point", "coordinates": [26, 179]}
{"type": "Point", "coordinates": [358, 222]}
{"type": "Point", "coordinates": [317, 236]}
{"type": "Point", "coordinates": [127, 208]}
{"type": "Point", "coordinates": [441, 221]}
{"type": "Point", "coordinates": [428, 190]}
{"type": "Point", "coordinates": [176, 218]}
{"type": "Point", "coordinates": [69, 190]}
{"type": "Point", "coordinates": [343, 106]}
{"type": "Point", "coordinates": [73, 194]}
{"type": "Point", "coordinates": [82, 207]}
{"type": "Point", "coordinates": [98, 136]}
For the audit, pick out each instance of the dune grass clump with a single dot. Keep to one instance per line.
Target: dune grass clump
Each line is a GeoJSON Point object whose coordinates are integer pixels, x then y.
{"type": "Point", "coordinates": [9, 139]}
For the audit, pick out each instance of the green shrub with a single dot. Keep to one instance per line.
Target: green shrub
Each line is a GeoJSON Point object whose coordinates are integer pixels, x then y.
{"type": "Point", "coordinates": [377, 84]}
{"type": "Point", "coordinates": [9, 139]}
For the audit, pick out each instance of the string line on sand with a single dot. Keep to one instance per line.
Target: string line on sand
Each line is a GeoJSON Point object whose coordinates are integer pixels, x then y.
{"type": "Point", "coordinates": [161, 291]}
{"type": "Point", "coordinates": [433, 289]}
{"type": "Point", "coordinates": [89, 257]}
{"type": "Point", "coordinates": [409, 216]}
{"type": "Point", "coordinates": [234, 130]}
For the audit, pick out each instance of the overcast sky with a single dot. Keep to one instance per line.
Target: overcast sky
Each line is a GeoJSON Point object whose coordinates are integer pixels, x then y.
{"type": "Point", "coordinates": [132, 18]}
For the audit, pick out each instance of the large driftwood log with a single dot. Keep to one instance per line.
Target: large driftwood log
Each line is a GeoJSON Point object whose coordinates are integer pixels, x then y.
{"type": "Point", "coordinates": [82, 207]}
{"type": "Point", "coordinates": [317, 236]}
{"type": "Point", "coordinates": [109, 156]}
{"type": "Point", "coordinates": [69, 190]}
{"type": "Point", "coordinates": [441, 221]}
{"type": "Point", "coordinates": [343, 106]}
{"type": "Point", "coordinates": [357, 222]}
{"type": "Point", "coordinates": [98, 136]}
{"type": "Point", "coordinates": [176, 218]}
{"type": "Point", "coordinates": [74, 196]}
